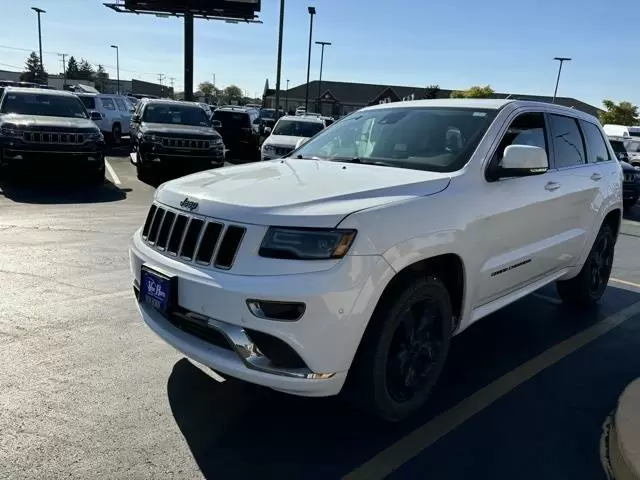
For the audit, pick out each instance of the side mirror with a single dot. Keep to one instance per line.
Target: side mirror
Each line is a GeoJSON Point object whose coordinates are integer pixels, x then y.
{"type": "Point", "coordinates": [267, 130]}
{"type": "Point", "coordinates": [216, 123]}
{"type": "Point", "coordinates": [523, 161]}
{"type": "Point", "coordinates": [96, 116]}
{"type": "Point", "coordinates": [301, 142]}
{"type": "Point", "coordinates": [135, 119]}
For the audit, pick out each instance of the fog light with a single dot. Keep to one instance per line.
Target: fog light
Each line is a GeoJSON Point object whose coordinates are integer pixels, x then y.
{"type": "Point", "coordinates": [271, 310]}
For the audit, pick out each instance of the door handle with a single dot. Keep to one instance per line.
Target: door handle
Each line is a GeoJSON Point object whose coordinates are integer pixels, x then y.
{"type": "Point", "coordinates": [551, 186]}
{"type": "Point", "coordinates": [595, 177]}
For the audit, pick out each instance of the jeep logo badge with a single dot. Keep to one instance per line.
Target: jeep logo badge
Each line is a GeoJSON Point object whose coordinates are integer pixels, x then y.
{"type": "Point", "coordinates": [189, 204]}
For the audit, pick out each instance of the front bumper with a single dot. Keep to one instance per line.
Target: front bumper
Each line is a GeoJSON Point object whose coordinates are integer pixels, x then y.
{"type": "Point", "coordinates": [56, 158]}
{"type": "Point", "coordinates": [339, 303]}
{"type": "Point", "coordinates": [157, 156]}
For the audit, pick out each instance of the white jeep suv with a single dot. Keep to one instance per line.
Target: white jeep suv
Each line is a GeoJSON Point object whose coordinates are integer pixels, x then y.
{"type": "Point", "coordinates": [350, 264]}
{"type": "Point", "coordinates": [287, 133]}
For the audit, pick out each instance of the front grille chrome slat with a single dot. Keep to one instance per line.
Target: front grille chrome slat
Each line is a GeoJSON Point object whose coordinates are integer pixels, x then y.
{"type": "Point", "coordinates": [51, 137]}
{"type": "Point", "coordinates": [191, 238]}
{"type": "Point", "coordinates": [184, 143]}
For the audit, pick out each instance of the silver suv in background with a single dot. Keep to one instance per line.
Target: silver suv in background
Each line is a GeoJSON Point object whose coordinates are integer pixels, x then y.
{"type": "Point", "coordinates": [115, 110]}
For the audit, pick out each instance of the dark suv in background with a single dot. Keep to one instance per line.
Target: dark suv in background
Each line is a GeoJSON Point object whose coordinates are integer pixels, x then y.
{"type": "Point", "coordinates": [173, 137]}
{"type": "Point", "coordinates": [631, 180]}
{"type": "Point", "coordinates": [242, 130]}
{"type": "Point", "coordinates": [45, 130]}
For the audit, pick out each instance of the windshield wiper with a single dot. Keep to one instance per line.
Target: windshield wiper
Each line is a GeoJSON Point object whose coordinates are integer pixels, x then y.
{"type": "Point", "coordinates": [307, 157]}
{"type": "Point", "coordinates": [360, 160]}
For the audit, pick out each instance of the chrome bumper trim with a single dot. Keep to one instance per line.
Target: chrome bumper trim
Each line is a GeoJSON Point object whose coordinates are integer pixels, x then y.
{"type": "Point", "coordinates": [248, 351]}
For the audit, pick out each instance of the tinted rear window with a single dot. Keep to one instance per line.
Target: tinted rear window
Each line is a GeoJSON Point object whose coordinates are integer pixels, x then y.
{"type": "Point", "coordinates": [232, 119]}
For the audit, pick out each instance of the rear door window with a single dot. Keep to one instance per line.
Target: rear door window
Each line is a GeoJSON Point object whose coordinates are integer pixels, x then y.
{"type": "Point", "coordinates": [107, 103]}
{"type": "Point", "coordinates": [597, 150]}
{"type": "Point", "coordinates": [121, 105]}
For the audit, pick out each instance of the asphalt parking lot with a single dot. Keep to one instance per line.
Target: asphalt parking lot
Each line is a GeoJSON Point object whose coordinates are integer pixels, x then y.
{"type": "Point", "coordinates": [88, 391]}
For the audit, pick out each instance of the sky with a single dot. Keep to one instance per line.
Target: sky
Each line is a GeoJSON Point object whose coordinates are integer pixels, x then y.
{"type": "Point", "coordinates": [507, 44]}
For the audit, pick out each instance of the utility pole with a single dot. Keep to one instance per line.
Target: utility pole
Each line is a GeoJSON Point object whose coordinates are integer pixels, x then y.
{"type": "Point", "coordinates": [312, 12]}
{"type": "Point", "coordinates": [173, 92]}
{"type": "Point", "coordinates": [160, 78]}
{"type": "Point", "coordinates": [117, 64]}
{"type": "Point", "coordinates": [39, 11]}
{"type": "Point", "coordinates": [322, 44]}
{"type": "Point", "coordinates": [561, 60]}
{"type": "Point", "coordinates": [64, 69]}
{"type": "Point", "coordinates": [279, 63]}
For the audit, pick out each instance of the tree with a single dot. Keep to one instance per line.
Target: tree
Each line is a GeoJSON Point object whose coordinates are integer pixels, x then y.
{"type": "Point", "coordinates": [474, 92]}
{"type": "Point", "coordinates": [101, 79]}
{"type": "Point", "coordinates": [624, 113]}
{"type": "Point", "coordinates": [33, 70]}
{"type": "Point", "coordinates": [209, 90]}
{"type": "Point", "coordinates": [85, 70]}
{"type": "Point", "coordinates": [72, 69]}
{"type": "Point", "coordinates": [232, 94]}
{"type": "Point", "coordinates": [431, 91]}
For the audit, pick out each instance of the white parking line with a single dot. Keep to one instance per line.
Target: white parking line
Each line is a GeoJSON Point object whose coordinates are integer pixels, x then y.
{"type": "Point", "coordinates": [408, 447]}
{"type": "Point", "coordinates": [625, 282]}
{"type": "Point", "coordinates": [112, 172]}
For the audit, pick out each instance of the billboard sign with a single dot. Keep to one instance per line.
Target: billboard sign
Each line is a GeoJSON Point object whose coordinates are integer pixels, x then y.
{"type": "Point", "coordinates": [239, 9]}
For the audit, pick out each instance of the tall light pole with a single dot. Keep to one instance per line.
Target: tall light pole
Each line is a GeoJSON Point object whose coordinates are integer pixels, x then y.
{"type": "Point", "coordinates": [39, 11]}
{"type": "Point", "coordinates": [322, 45]}
{"type": "Point", "coordinates": [286, 100]}
{"type": "Point", "coordinates": [561, 60]}
{"type": "Point", "coordinates": [117, 65]}
{"type": "Point", "coordinates": [279, 64]}
{"type": "Point", "coordinates": [312, 12]}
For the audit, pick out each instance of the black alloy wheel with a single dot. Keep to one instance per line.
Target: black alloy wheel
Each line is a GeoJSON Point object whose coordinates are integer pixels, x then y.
{"type": "Point", "coordinates": [415, 349]}
{"type": "Point", "coordinates": [403, 350]}
{"type": "Point", "coordinates": [586, 288]}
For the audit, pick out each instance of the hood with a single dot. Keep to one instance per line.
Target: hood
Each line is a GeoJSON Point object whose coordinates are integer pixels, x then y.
{"type": "Point", "coordinates": [42, 121]}
{"type": "Point", "coordinates": [282, 140]}
{"type": "Point", "coordinates": [626, 167]}
{"type": "Point", "coordinates": [177, 129]}
{"type": "Point", "coordinates": [303, 193]}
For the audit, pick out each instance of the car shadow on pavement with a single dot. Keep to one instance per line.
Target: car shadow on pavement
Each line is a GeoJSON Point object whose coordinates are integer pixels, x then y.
{"type": "Point", "coordinates": [60, 191]}
{"type": "Point", "coordinates": [238, 430]}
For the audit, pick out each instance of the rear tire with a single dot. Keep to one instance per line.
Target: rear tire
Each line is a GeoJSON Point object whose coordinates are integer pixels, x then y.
{"type": "Point", "coordinates": [403, 350]}
{"type": "Point", "coordinates": [589, 285]}
{"type": "Point", "coordinates": [116, 134]}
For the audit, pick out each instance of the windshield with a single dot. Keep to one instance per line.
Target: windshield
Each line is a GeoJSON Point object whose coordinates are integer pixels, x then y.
{"type": "Point", "coordinates": [427, 138]}
{"type": "Point", "coordinates": [267, 113]}
{"type": "Point", "coordinates": [43, 104]}
{"type": "Point", "coordinates": [175, 114]}
{"type": "Point", "coordinates": [296, 128]}
{"type": "Point", "coordinates": [632, 146]}
{"type": "Point", "coordinates": [89, 102]}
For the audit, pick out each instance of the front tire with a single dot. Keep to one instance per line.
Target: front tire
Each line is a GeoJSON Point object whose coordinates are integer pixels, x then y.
{"type": "Point", "coordinates": [404, 350]}
{"type": "Point", "coordinates": [589, 285]}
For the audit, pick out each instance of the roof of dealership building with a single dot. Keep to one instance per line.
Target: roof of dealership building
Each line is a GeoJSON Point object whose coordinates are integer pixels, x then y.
{"type": "Point", "coordinates": [364, 94]}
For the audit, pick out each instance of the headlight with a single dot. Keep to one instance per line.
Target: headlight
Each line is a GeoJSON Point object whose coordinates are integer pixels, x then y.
{"type": "Point", "coordinates": [149, 137]}
{"type": "Point", "coordinates": [11, 131]}
{"type": "Point", "coordinates": [268, 148]}
{"type": "Point", "coordinates": [306, 243]}
{"type": "Point", "coordinates": [216, 141]}
{"type": "Point", "coordinates": [96, 136]}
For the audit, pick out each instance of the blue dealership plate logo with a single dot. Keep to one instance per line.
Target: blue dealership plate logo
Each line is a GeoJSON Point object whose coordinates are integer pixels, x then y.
{"type": "Point", "coordinates": [156, 290]}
